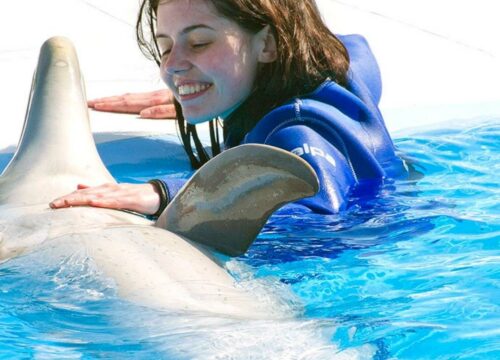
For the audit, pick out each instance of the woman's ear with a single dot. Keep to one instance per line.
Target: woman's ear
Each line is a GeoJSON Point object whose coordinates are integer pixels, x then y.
{"type": "Point", "coordinates": [267, 45]}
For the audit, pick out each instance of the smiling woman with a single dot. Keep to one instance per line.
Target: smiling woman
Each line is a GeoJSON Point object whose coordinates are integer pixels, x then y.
{"type": "Point", "coordinates": [209, 62]}
{"type": "Point", "coordinates": [270, 73]}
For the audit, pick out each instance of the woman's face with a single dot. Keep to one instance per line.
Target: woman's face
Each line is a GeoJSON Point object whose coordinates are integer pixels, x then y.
{"type": "Point", "coordinates": [209, 62]}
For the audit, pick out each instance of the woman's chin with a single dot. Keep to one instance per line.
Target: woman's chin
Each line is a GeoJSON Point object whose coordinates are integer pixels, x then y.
{"type": "Point", "coordinates": [194, 116]}
{"type": "Point", "coordinates": [198, 120]}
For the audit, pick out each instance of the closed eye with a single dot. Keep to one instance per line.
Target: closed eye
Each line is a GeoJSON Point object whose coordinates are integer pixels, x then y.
{"type": "Point", "coordinates": [166, 52]}
{"type": "Point", "coordinates": [199, 46]}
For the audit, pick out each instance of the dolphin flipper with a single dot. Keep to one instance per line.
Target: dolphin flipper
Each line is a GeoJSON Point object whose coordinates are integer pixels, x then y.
{"type": "Point", "coordinates": [56, 150]}
{"type": "Point", "coordinates": [227, 201]}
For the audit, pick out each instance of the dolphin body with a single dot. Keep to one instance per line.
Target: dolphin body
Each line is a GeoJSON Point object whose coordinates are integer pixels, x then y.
{"type": "Point", "coordinates": [166, 264]}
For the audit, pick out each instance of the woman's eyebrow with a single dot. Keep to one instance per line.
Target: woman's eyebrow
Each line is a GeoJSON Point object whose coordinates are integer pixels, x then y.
{"type": "Point", "coordinates": [188, 29]}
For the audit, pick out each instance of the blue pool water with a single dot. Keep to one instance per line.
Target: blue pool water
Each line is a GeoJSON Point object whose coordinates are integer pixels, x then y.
{"type": "Point", "coordinates": [412, 273]}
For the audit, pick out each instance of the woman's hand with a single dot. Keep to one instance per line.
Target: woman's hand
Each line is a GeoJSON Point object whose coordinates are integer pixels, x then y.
{"type": "Point", "coordinates": [149, 105]}
{"type": "Point", "coordinates": [141, 198]}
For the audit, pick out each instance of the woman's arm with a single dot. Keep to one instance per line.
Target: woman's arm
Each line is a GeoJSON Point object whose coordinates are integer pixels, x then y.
{"type": "Point", "coordinates": [332, 168]}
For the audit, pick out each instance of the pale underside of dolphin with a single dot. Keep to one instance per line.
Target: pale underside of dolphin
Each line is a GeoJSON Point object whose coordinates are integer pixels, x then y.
{"type": "Point", "coordinates": [162, 264]}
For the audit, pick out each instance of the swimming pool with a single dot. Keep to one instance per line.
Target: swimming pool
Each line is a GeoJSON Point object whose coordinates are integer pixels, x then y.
{"type": "Point", "coordinates": [412, 273]}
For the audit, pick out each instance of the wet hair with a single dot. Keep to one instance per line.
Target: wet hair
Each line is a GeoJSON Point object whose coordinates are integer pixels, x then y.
{"type": "Point", "coordinates": [307, 54]}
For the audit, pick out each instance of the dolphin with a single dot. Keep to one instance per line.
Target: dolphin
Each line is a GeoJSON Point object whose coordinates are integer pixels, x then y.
{"type": "Point", "coordinates": [168, 263]}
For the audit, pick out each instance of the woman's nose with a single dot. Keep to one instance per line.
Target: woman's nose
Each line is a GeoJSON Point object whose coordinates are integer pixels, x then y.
{"type": "Point", "coordinates": [177, 61]}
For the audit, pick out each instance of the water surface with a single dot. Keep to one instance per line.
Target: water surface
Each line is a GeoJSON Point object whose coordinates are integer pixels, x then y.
{"type": "Point", "coordinates": [412, 273]}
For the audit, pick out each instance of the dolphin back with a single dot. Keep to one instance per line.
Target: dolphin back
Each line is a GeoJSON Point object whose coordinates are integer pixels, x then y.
{"type": "Point", "coordinates": [228, 200]}
{"type": "Point", "coordinates": [56, 150]}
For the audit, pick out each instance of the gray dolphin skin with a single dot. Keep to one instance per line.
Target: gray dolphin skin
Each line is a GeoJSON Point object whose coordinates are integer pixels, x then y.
{"type": "Point", "coordinates": [56, 150]}
{"type": "Point", "coordinates": [234, 196]}
{"type": "Point", "coordinates": [168, 264]}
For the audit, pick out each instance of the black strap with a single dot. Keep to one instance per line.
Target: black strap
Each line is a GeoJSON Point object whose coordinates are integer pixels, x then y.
{"type": "Point", "coordinates": [161, 189]}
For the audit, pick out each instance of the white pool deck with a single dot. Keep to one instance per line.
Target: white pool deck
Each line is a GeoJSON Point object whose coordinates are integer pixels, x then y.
{"type": "Point", "coordinates": [440, 60]}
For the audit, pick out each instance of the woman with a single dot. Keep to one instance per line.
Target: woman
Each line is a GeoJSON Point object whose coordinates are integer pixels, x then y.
{"type": "Point", "coordinates": [274, 74]}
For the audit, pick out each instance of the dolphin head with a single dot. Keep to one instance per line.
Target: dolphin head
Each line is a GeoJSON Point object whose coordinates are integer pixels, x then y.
{"type": "Point", "coordinates": [56, 150]}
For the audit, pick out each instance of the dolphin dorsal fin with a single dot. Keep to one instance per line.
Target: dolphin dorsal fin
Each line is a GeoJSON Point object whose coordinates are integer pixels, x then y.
{"type": "Point", "coordinates": [56, 150]}
{"type": "Point", "coordinates": [228, 200]}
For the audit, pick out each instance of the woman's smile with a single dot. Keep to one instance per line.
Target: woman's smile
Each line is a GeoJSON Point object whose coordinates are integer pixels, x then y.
{"type": "Point", "coordinates": [191, 90]}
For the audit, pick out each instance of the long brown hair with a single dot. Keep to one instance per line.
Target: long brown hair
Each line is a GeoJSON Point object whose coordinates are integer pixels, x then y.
{"type": "Point", "coordinates": [308, 53]}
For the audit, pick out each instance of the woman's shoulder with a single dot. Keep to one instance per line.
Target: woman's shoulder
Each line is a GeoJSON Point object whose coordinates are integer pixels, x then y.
{"type": "Point", "coordinates": [364, 73]}
{"type": "Point", "coordinates": [328, 105]}
{"type": "Point", "coordinates": [335, 114]}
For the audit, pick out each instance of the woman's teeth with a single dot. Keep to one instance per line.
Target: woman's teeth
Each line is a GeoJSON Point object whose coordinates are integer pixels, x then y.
{"type": "Point", "coordinates": [192, 89]}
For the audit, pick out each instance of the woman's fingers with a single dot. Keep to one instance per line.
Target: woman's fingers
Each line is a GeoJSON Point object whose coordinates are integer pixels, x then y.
{"type": "Point", "coordinates": [127, 106]}
{"type": "Point", "coordinates": [84, 195]}
{"type": "Point", "coordinates": [132, 103]}
{"type": "Point", "coordinates": [141, 198]}
{"type": "Point", "coordinates": [159, 112]}
{"type": "Point", "coordinates": [92, 102]}
{"type": "Point", "coordinates": [82, 186]}
{"type": "Point", "coordinates": [161, 94]}
{"type": "Point", "coordinates": [73, 199]}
